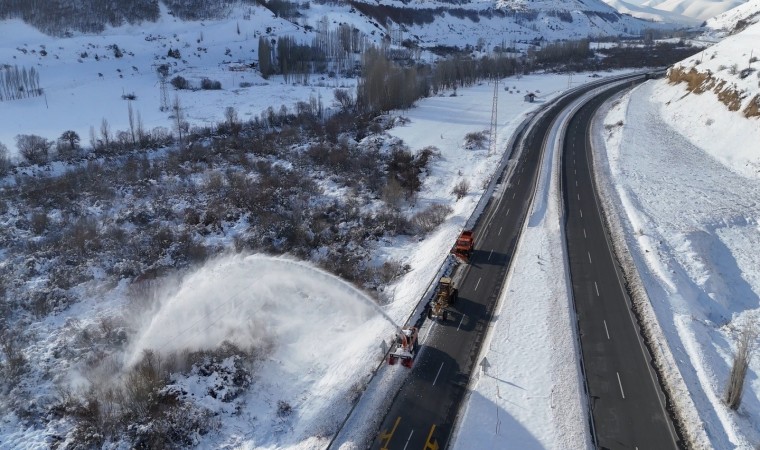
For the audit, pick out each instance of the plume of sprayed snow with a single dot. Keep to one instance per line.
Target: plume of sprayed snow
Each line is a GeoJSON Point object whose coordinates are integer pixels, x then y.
{"type": "Point", "coordinates": [253, 301]}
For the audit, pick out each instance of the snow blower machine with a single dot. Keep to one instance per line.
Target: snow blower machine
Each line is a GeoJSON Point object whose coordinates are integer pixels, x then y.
{"type": "Point", "coordinates": [405, 347]}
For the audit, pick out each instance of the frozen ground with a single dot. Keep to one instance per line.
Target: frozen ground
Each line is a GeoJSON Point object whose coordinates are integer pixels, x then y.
{"type": "Point", "coordinates": [690, 216]}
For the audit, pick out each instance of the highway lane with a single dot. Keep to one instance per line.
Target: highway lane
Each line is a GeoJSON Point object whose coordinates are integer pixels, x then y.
{"type": "Point", "coordinates": [628, 405]}
{"type": "Point", "coordinates": [425, 409]}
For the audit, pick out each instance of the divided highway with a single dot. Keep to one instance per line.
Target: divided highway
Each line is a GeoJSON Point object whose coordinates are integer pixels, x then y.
{"type": "Point", "coordinates": [425, 408]}
{"type": "Point", "coordinates": [627, 403]}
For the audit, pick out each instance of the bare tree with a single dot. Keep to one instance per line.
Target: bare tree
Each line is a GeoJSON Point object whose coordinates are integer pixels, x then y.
{"type": "Point", "coordinates": [5, 160]}
{"type": "Point", "coordinates": [35, 149]}
{"type": "Point", "coordinates": [179, 119]}
{"type": "Point", "coordinates": [131, 122]}
{"type": "Point", "coordinates": [748, 334]}
{"type": "Point", "coordinates": [105, 133]}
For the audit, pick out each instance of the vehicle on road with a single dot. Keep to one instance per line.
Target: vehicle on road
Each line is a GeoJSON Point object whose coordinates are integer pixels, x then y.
{"type": "Point", "coordinates": [405, 347]}
{"type": "Point", "coordinates": [464, 246]}
{"type": "Point", "coordinates": [444, 299]}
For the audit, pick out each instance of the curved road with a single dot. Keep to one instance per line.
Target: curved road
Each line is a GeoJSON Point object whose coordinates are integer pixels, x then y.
{"type": "Point", "coordinates": [627, 403]}
{"type": "Point", "coordinates": [424, 410]}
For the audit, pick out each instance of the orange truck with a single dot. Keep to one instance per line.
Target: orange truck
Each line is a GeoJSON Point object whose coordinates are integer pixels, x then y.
{"type": "Point", "coordinates": [464, 246]}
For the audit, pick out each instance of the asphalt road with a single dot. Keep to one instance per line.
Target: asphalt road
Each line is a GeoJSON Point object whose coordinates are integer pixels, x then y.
{"type": "Point", "coordinates": [425, 409]}
{"type": "Point", "coordinates": [627, 403]}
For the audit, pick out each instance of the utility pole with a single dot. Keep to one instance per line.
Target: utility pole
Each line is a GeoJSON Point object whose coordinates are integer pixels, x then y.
{"type": "Point", "coordinates": [492, 147]}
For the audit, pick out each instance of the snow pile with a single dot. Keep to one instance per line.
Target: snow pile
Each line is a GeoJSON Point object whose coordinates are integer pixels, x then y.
{"type": "Point", "coordinates": [692, 225]}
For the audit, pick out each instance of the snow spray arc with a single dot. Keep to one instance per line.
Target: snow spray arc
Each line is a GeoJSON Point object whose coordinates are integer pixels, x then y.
{"type": "Point", "coordinates": [254, 300]}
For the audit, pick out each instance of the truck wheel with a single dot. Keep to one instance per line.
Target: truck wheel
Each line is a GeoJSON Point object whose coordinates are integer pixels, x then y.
{"type": "Point", "coordinates": [445, 316]}
{"type": "Point", "coordinates": [430, 313]}
{"type": "Point", "coordinates": [455, 296]}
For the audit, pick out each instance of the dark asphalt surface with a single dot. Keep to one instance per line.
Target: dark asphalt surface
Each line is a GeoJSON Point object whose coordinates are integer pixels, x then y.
{"type": "Point", "coordinates": [424, 410]}
{"type": "Point", "coordinates": [626, 399]}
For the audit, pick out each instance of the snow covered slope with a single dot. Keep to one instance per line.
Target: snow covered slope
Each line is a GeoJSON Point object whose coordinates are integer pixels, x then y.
{"type": "Point", "coordinates": [736, 19]}
{"type": "Point", "coordinates": [687, 12]}
{"type": "Point", "coordinates": [722, 77]}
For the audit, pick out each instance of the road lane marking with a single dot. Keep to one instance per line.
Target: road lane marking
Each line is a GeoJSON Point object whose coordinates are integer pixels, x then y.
{"type": "Point", "coordinates": [489, 255]}
{"type": "Point", "coordinates": [584, 234]}
{"type": "Point", "coordinates": [575, 172]}
{"type": "Point", "coordinates": [508, 210]}
{"type": "Point", "coordinates": [430, 328]}
{"type": "Point", "coordinates": [513, 194]}
{"type": "Point", "coordinates": [576, 183]}
{"type": "Point", "coordinates": [589, 257]}
{"type": "Point", "coordinates": [436, 375]}
{"type": "Point", "coordinates": [499, 231]}
{"type": "Point", "coordinates": [388, 435]}
{"type": "Point", "coordinates": [579, 196]}
{"type": "Point", "coordinates": [430, 445]}
{"type": "Point", "coordinates": [597, 289]}
{"type": "Point", "coordinates": [478, 283]}
{"type": "Point", "coordinates": [621, 385]}
{"type": "Point", "coordinates": [581, 213]}
{"type": "Point", "coordinates": [407, 439]}
{"type": "Point", "coordinates": [606, 330]}
{"type": "Point", "coordinates": [460, 322]}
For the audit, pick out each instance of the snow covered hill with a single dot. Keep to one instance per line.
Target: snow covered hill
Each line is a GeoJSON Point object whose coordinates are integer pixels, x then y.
{"type": "Point", "coordinates": [687, 12]}
{"type": "Point", "coordinates": [722, 77]}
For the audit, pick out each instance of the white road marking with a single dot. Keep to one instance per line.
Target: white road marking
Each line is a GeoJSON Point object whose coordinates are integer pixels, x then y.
{"type": "Point", "coordinates": [430, 328]}
{"type": "Point", "coordinates": [576, 183]}
{"type": "Point", "coordinates": [499, 231]}
{"type": "Point", "coordinates": [581, 213]}
{"type": "Point", "coordinates": [489, 255]}
{"type": "Point", "coordinates": [508, 210]}
{"type": "Point", "coordinates": [575, 172]}
{"type": "Point", "coordinates": [579, 196]}
{"type": "Point", "coordinates": [460, 322]}
{"type": "Point", "coordinates": [597, 289]}
{"type": "Point", "coordinates": [606, 330]}
{"type": "Point", "coordinates": [513, 194]}
{"type": "Point", "coordinates": [439, 372]}
{"type": "Point", "coordinates": [584, 232]}
{"type": "Point", "coordinates": [589, 257]}
{"type": "Point", "coordinates": [407, 439]}
{"type": "Point", "coordinates": [621, 385]}
{"type": "Point", "coordinates": [478, 283]}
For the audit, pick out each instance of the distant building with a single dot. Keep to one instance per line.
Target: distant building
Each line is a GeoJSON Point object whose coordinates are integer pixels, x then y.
{"type": "Point", "coordinates": [530, 97]}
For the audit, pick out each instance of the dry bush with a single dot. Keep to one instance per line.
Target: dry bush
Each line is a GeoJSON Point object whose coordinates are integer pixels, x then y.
{"type": "Point", "coordinates": [428, 219]}
{"type": "Point", "coordinates": [39, 222]}
{"type": "Point", "coordinates": [746, 345]}
{"type": "Point", "coordinates": [475, 140]}
{"type": "Point", "coordinates": [461, 189]}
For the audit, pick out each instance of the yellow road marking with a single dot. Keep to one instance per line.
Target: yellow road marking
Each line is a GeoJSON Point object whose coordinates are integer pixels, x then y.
{"type": "Point", "coordinates": [385, 438]}
{"type": "Point", "coordinates": [428, 444]}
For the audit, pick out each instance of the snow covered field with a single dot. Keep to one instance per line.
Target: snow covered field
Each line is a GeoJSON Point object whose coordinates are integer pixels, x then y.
{"type": "Point", "coordinates": [691, 218]}
{"type": "Point", "coordinates": [319, 380]}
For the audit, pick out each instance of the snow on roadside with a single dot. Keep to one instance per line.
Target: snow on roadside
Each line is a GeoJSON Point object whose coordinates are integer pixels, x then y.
{"type": "Point", "coordinates": [691, 224]}
{"type": "Point", "coordinates": [529, 389]}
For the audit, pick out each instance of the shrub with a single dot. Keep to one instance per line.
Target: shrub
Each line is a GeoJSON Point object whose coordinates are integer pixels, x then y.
{"type": "Point", "coordinates": [180, 82]}
{"type": "Point", "coordinates": [207, 84]}
{"type": "Point", "coordinates": [428, 219]}
{"type": "Point", "coordinates": [475, 140]}
{"type": "Point", "coordinates": [461, 189]}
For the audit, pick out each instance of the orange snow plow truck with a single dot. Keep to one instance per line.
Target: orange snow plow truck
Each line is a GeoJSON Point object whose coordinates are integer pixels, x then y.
{"type": "Point", "coordinates": [464, 246]}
